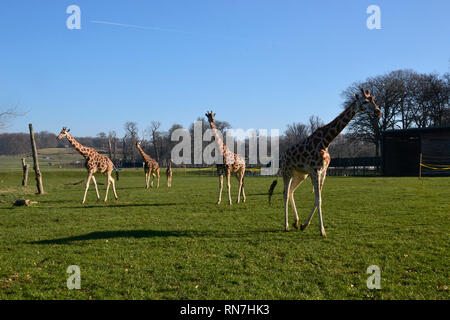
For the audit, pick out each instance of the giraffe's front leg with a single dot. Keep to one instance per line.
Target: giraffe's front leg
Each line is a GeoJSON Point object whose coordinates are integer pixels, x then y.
{"type": "Point", "coordinates": [243, 190]}
{"type": "Point", "coordinates": [96, 188]}
{"type": "Point", "coordinates": [114, 187]}
{"type": "Point", "coordinates": [220, 188]}
{"type": "Point", "coordinates": [147, 177]}
{"type": "Point", "coordinates": [294, 209]}
{"type": "Point", "coordinates": [158, 178]}
{"type": "Point", "coordinates": [240, 179]}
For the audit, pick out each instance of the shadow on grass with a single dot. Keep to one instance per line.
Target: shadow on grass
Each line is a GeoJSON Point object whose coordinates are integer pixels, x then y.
{"type": "Point", "coordinates": [123, 205]}
{"type": "Point", "coordinates": [103, 235]}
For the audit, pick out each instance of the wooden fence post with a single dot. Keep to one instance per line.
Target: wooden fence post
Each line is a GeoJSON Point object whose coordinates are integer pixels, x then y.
{"type": "Point", "coordinates": [25, 167]}
{"type": "Point", "coordinates": [420, 166]}
{"type": "Point", "coordinates": [37, 171]}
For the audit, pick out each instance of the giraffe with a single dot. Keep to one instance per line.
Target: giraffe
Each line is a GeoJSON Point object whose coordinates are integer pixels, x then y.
{"type": "Point", "coordinates": [150, 167]}
{"type": "Point", "coordinates": [169, 174]}
{"type": "Point", "coordinates": [232, 163]}
{"type": "Point", "coordinates": [311, 157]}
{"type": "Point", "coordinates": [95, 162]}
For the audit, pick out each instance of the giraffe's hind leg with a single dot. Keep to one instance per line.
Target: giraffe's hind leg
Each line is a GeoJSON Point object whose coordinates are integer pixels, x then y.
{"type": "Point", "coordinates": [87, 186]}
{"type": "Point", "coordinates": [229, 186]}
{"type": "Point", "coordinates": [296, 181]}
{"type": "Point", "coordinates": [239, 178]}
{"type": "Point", "coordinates": [152, 177]}
{"type": "Point", "coordinates": [287, 186]}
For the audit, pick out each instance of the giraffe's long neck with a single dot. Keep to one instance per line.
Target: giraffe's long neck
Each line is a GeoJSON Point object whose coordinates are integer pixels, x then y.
{"type": "Point", "coordinates": [144, 155]}
{"type": "Point", "coordinates": [222, 146]}
{"type": "Point", "coordinates": [332, 130]}
{"type": "Point", "coordinates": [78, 146]}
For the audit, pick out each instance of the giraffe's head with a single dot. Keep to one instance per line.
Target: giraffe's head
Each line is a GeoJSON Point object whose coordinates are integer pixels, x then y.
{"type": "Point", "coordinates": [63, 134]}
{"type": "Point", "coordinates": [210, 115]}
{"type": "Point", "coordinates": [138, 144]}
{"type": "Point", "coordinates": [366, 102]}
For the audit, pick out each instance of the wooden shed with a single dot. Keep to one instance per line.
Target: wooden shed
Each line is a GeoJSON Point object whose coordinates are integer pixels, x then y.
{"type": "Point", "coordinates": [402, 150]}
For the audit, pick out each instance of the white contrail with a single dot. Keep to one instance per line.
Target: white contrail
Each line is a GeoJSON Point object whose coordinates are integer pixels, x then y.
{"type": "Point", "coordinates": [125, 25]}
{"type": "Point", "coordinates": [137, 27]}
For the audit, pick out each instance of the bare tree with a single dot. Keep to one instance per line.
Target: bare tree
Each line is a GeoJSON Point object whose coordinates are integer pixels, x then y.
{"type": "Point", "coordinates": [296, 132]}
{"type": "Point", "coordinates": [7, 115]}
{"type": "Point", "coordinates": [156, 139]}
{"type": "Point", "coordinates": [131, 136]}
{"type": "Point", "coordinates": [406, 98]}
{"type": "Point", "coordinates": [112, 142]}
{"type": "Point", "coordinates": [314, 123]}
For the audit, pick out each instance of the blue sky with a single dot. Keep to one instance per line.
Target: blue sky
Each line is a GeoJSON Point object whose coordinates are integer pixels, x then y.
{"type": "Point", "coordinates": [256, 63]}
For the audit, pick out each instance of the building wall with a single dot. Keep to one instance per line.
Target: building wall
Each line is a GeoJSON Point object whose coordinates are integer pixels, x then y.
{"type": "Point", "coordinates": [402, 148]}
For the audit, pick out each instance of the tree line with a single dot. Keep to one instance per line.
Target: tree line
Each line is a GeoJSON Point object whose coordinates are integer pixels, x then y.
{"type": "Point", "coordinates": [408, 99]}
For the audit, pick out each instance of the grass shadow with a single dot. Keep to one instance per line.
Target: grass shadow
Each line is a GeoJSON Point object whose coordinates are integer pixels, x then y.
{"type": "Point", "coordinates": [103, 235]}
{"type": "Point", "coordinates": [120, 205]}
{"type": "Point", "coordinates": [137, 234]}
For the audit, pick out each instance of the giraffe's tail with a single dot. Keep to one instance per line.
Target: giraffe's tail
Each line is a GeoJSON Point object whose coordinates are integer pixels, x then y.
{"type": "Point", "coordinates": [117, 173]}
{"type": "Point", "coordinates": [272, 188]}
{"type": "Point", "coordinates": [274, 183]}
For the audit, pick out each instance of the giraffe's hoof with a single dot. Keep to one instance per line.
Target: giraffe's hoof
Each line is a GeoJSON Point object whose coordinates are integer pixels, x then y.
{"type": "Point", "coordinates": [295, 224]}
{"type": "Point", "coordinates": [286, 229]}
{"type": "Point", "coordinates": [302, 227]}
{"type": "Point", "coordinates": [323, 233]}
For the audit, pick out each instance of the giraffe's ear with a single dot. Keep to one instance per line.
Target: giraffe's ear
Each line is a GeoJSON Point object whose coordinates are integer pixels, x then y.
{"type": "Point", "coordinates": [68, 130]}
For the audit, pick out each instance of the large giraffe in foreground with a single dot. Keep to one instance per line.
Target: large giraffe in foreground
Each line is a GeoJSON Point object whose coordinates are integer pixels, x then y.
{"type": "Point", "coordinates": [95, 162]}
{"type": "Point", "coordinates": [151, 167]}
{"type": "Point", "coordinates": [232, 163]}
{"type": "Point", "coordinates": [311, 157]}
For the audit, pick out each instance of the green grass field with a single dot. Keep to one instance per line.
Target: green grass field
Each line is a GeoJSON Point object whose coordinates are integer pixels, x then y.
{"type": "Point", "coordinates": [177, 244]}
